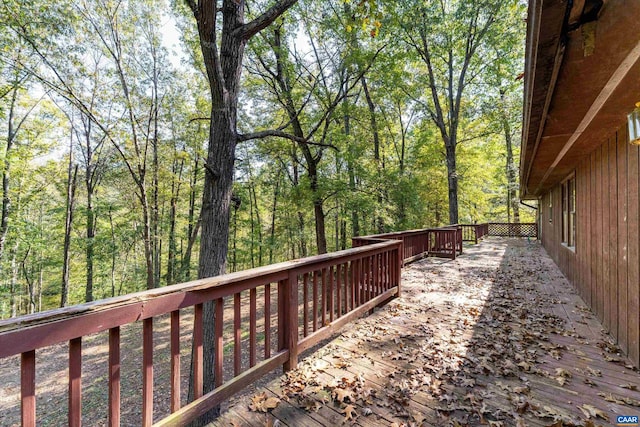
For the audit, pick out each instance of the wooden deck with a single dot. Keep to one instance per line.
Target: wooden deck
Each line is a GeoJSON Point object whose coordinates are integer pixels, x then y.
{"type": "Point", "coordinates": [496, 337]}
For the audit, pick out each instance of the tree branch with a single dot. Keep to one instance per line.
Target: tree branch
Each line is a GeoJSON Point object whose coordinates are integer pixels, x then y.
{"type": "Point", "coordinates": [281, 134]}
{"type": "Point", "coordinates": [263, 21]}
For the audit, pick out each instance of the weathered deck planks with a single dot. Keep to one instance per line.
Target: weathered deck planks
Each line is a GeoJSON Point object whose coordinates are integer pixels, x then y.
{"type": "Point", "coordinates": [432, 322]}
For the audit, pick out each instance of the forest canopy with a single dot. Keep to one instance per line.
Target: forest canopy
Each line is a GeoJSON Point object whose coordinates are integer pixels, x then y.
{"type": "Point", "coordinates": [353, 118]}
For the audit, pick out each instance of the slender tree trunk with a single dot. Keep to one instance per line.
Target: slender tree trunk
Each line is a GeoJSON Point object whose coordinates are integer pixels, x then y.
{"type": "Point", "coordinates": [6, 201]}
{"type": "Point", "coordinates": [193, 224]}
{"type": "Point", "coordinates": [173, 212]}
{"type": "Point", "coordinates": [272, 229]}
{"type": "Point", "coordinates": [14, 279]}
{"type": "Point", "coordinates": [113, 254]}
{"type": "Point", "coordinates": [258, 222]}
{"type": "Point", "coordinates": [376, 153]}
{"type": "Point", "coordinates": [511, 169]}
{"type": "Point", "coordinates": [91, 234]}
{"type": "Point", "coordinates": [66, 255]}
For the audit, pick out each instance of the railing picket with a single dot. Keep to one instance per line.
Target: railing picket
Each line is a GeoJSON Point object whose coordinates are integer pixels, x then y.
{"type": "Point", "coordinates": [305, 306]}
{"type": "Point", "coordinates": [252, 326]}
{"type": "Point", "coordinates": [267, 321]}
{"type": "Point", "coordinates": [348, 281]}
{"type": "Point", "coordinates": [338, 286]}
{"type": "Point", "coordinates": [330, 293]}
{"type": "Point", "coordinates": [315, 301]}
{"type": "Point", "coordinates": [324, 296]}
{"type": "Point", "coordinates": [175, 360]}
{"type": "Point", "coordinates": [198, 338]}
{"type": "Point", "coordinates": [218, 328]}
{"type": "Point", "coordinates": [114, 377]}
{"type": "Point", "coordinates": [282, 300]}
{"type": "Point", "coordinates": [75, 382]}
{"type": "Point", "coordinates": [147, 372]}
{"type": "Point", "coordinates": [28, 388]}
{"type": "Point", "coordinates": [237, 335]}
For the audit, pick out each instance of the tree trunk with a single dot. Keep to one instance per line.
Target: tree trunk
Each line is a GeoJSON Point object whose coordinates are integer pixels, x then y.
{"type": "Point", "coordinates": [14, 280]}
{"type": "Point", "coordinates": [376, 153]}
{"type": "Point", "coordinates": [452, 180]}
{"type": "Point", "coordinates": [6, 201]}
{"type": "Point", "coordinates": [511, 169]}
{"type": "Point", "coordinates": [66, 255]}
{"type": "Point", "coordinates": [223, 68]}
{"type": "Point", "coordinates": [193, 224]}
{"type": "Point", "coordinates": [274, 206]}
{"type": "Point", "coordinates": [113, 254]}
{"type": "Point", "coordinates": [91, 234]}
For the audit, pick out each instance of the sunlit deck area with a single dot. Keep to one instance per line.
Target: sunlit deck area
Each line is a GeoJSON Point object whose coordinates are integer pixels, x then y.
{"type": "Point", "coordinates": [495, 337]}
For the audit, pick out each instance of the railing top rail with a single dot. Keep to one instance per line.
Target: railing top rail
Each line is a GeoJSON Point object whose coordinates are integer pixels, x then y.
{"type": "Point", "coordinates": [404, 233]}
{"type": "Point", "coordinates": [118, 311]}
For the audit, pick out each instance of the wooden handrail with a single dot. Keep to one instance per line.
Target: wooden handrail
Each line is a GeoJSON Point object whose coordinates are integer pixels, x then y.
{"type": "Point", "coordinates": [350, 282]}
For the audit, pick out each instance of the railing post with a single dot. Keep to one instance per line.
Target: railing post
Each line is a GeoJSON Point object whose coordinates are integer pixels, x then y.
{"type": "Point", "coordinates": [399, 263]}
{"type": "Point", "coordinates": [288, 310]}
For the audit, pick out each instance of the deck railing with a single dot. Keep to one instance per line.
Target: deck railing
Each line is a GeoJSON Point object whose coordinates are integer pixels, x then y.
{"type": "Point", "coordinates": [506, 229]}
{"type": "Point", "coordinates": [292, 306]}
{"type": "Point", "coordinates": [444, 241]}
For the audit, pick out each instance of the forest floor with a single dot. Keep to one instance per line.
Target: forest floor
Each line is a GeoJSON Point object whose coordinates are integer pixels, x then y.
{"type": "Point", "coordinates": [497, 337]}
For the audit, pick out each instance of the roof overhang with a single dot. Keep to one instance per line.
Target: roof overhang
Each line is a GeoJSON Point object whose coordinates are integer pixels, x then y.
{"type": "Point", "coordinates": [582, 77]}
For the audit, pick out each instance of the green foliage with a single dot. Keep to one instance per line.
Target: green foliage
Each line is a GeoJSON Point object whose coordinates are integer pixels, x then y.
{"type": "Point", "coordinates": [71, 68]}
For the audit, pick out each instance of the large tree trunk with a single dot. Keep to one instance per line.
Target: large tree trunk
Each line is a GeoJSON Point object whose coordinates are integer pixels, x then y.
{"type": "Point", "coordinates": [222, 52]}
{"type": "Point", "coordinates": [452, 179]}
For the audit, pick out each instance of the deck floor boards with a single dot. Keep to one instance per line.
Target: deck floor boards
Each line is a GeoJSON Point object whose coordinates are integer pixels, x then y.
{"type": "Point", "coordinates": [497, 336]}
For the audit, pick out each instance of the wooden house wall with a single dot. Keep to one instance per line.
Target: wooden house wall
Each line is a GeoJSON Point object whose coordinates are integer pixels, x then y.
{"type": "Point", "coordinates": [604, 266]}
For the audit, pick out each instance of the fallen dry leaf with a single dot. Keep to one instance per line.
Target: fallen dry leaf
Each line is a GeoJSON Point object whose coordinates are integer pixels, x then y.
{"type": "Point", "coordinates": [592, 412]}
{"type": "Point", "coordinates": [341, 394]}
{"type": "Point", "coordinates": [349, 412]}
{"type": "Point", "coordinates": [262, 403]}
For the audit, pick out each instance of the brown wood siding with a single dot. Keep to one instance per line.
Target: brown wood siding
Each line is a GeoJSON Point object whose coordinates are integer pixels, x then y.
{"type": "Point", "coordinates": [605, 265]}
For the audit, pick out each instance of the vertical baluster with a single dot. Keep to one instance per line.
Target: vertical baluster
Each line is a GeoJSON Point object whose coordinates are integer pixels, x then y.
{"type": "Point", "coordinates": [75, 383]}
{"type": "Point", "coordinates": [237, 335]}
{"type": "Point", "coordinates": [315, 300]}
{"type": "Point", "coordinates": [338, 286]}
{"type": "Point", "coordinates": [175, 361]}
{"type": "Point", "coordinates": [267, 321]}
{"type": "Point", "coordinates": [252, 326]}
{"type": "Point", "coordinates": [282, 300]}
{"type": "Point", "coordinates": [385, 265]}
{"type": "Point", "coordinates": [28, 388]}
{"type": "Point", "coordinates": [198, 369]}
{"type": "Point", "coordinates": [357, 283]}
{"type": "Point", "coordinates": [352, 286]}
{"type": "Point", "coordinates": [305, 306]}
{"type": "Point", "coordinates": [376, 275]}
{"type": "Point", "coordinates": [147, 372]}
{"type": "Point", "coordinates": [330, 293]}
{"type": "Point", "coordinates": [219, 343]}
{"type": "Point", "coordinates": [324, 297]}
{"type": "Point", "coordinates": [367, 278]}
{"type": "Point", "coordinates": [398, 264]}
{"type": "Point", "coordinates": [114, 377]}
